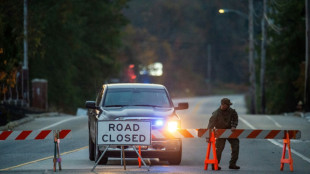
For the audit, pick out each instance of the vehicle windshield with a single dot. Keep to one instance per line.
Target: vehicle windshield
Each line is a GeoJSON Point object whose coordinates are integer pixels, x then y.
{"type": "Point", "coordinates": [136, 97]}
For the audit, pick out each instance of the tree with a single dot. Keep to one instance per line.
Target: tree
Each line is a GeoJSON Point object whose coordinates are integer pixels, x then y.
{"type": "Point", "coordinates": [77, 46]}
{"type": "Point", "coordinates": [187, 28]}
{"type": "Point", "coordinates": [285, 54]}
{"type": "Point", "coordinates": [73, 44]}
{"type": "Point", "coordinates": [10, 44]}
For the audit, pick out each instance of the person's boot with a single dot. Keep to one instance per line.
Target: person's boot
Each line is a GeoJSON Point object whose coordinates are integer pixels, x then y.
{"type": "Point", "coordinates": [234, 167]}
{"type": "Point", "coordinates": [218, 167]}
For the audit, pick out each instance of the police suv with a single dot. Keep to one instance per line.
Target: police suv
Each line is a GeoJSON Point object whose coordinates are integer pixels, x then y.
{"type": "Point", "coordinates": [135, 102]}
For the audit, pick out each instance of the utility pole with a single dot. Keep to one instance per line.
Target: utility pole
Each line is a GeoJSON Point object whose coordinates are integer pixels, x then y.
{"type": "Point", "coordinates": [25, 77]}
{"type": "Point", "coordinates": [251, 61]}
{"type": "Point", "coordinates": [307, 63]}
{"type": "Point", "coordinates": [263, 61]}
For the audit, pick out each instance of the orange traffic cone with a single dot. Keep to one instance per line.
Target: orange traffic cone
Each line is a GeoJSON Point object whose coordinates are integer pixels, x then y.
{"type": "Point", "coordinates": [214, 160]}
{"type": "Point", "coordinates": [289, 160]}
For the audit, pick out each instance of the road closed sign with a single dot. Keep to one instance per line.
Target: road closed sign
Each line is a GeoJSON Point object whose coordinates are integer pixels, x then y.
{"type": "Point", "coordinates": [124, 133]}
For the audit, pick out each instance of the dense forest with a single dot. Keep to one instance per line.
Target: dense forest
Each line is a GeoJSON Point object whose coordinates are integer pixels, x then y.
{"type": "Point", "coordinates": [79, 45]}
{"type": "Point", "coordinates": [285, 62]}
{"type": "Point", "coordinates": [178, 33]}
{"type": "Point", "coordinates": [73, 44]}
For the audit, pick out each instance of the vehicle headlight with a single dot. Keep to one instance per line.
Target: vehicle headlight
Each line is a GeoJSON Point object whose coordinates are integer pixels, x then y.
{"type": "Point", "coordinates": [172, 126]}
{"type": "Point", "coordinates": [159, 122]}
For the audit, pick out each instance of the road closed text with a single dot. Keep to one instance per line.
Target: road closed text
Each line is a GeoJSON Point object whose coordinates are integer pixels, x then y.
{"type": "Point", "coordinates": [124, 132]}
{"type": "Point", "coordinates": [124, 137]}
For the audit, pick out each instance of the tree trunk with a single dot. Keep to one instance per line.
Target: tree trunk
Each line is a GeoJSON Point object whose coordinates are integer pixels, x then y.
{"type": "Point", "coordinates": [263, 61]}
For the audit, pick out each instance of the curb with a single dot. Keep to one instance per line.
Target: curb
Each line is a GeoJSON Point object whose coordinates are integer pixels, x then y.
{"type": "Point", "coordinates": [29, 117]}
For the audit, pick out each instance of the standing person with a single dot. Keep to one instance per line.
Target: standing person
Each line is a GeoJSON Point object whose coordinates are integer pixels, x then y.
{"type": "Point", "coordinates": [225, 118]}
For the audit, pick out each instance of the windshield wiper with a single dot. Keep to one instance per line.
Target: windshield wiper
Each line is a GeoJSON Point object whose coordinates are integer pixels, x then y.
{"type": "Point", "coordinates": [115, 105]}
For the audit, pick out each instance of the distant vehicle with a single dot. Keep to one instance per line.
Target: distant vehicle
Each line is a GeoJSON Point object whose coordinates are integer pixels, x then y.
{"type": "Point", "coordinates": [132, 101]}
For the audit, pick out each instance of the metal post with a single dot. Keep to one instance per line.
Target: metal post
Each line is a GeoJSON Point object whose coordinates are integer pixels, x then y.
{"type": "Point", "coordinates": [57, 158]}
{"type": "Point", "coordinates": [25, 67]}
{"type": "Point", "coordinates": [124, 158]}
{"type": "Point", "coordinates": [121, 156]}
{"type": "Point", "coordinates": [55, 150]}
{"type": "Point", "coordinates": [148, 169]}
{"type": "Point", "coordinates": [307, 62]}
{"type": "Point", "coordinates": [105, 150]}
{"type": "Point", "coordinates": [251, 61]}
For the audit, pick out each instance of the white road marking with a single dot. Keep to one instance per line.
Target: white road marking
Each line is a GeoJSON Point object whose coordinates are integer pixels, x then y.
{"type": "Point", "coordinates": [246, 122]}
{"type": "Point", "coordinates": [197, 107]}
{"type": "Point", "coordinates": [276, 143]}
{"type": "Point", "coordinates": [58, 123]}
{"type": "Point", "coordinates": [293, 151]}
{"type": "Point", "coordinates": [42, 159]}
{"type": "Point", "coordinates": [276, 123]}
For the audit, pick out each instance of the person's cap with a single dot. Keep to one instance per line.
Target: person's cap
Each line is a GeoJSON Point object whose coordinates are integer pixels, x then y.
{"type": "Point", "coordinates": [226, 101]}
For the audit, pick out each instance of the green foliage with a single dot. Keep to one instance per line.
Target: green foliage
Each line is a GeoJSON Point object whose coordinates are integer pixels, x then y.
{"type": "Point", "coordinates": [285, 54]}
{"type": "Point", "coordinates": [177, 34]}
{"type": "Point", "coordinates": [10, 43]}
{"type": "Point", "coordinates": [77, 43]}
{"type": "Point", "coordinates": [73, 44]}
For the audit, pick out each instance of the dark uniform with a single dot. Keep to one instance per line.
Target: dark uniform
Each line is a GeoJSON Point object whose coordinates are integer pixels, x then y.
{"type": "Point", "coordinates": [225, 119]}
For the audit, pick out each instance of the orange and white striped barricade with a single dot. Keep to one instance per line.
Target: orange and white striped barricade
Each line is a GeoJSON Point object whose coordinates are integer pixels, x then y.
{"type": "Point", "coordinates": [56, 135]}
{"type": "Point", "coordinates": [212, 134]}
{"type": "Point", "coordinates": [286, 135]}
{"type": "Point", "coordinates": [178, 133]}
{"type": "Point", "coordinates": [32, 135]}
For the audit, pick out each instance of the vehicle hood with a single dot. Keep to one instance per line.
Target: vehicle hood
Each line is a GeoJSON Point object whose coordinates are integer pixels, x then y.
{"type": "Point", "coordinates": [135, 111]}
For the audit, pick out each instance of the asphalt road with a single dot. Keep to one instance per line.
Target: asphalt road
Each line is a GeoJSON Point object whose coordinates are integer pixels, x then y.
{"type": "Point", "coordinates": [256, 155]}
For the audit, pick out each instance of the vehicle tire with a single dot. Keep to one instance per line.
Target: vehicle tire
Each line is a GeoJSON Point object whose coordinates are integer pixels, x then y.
{"type": "Point", "coordinates": [104, 159]}
{"type": "Point", "coordinates": [91, 149]}
{"type": "Point", "coordinates": [176, 157]}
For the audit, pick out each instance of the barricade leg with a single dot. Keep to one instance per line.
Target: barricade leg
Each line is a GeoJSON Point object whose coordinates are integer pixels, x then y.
{"type": "Point", "coordinates": [134, 148]}
{"type": "Point", "coordinates": [213, 161]}
{"type": "Point", "coordinates": [105, 150]}
{"type": "Point", "coordinates": [54, 159]}
{"type": "Point", "coordinates": [58, 154]}
{"type": "Point", "coordinates": [57, 158]}
{"type": "Point", "coordinates": [124, 158]}
{"type": "Point", "coordinates": [139, 159]}
{"type": "Point", "coordinates": [289, 160]}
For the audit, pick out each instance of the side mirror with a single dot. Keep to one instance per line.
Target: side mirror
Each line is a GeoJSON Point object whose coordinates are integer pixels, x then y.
{"type": "Point", "coordinates": [91, 105]}
{"type": "Point", "coordinates": [182, 106]}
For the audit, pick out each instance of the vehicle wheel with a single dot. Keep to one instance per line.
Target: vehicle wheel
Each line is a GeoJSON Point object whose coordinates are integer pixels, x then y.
{"type": "Point", "coordinates": [176, 157]}
{"type": "Point", "coordinates": [104, 159]}
{"type": "Point", "coordinates": [91, 149]}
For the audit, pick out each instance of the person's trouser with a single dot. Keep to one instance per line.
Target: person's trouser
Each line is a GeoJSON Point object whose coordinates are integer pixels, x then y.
{"type": "Point", "coordinates": [234, 143]}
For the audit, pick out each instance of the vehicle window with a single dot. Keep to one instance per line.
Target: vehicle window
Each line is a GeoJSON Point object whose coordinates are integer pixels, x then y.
{"type": "Point", "coordinates": [130, 97]}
